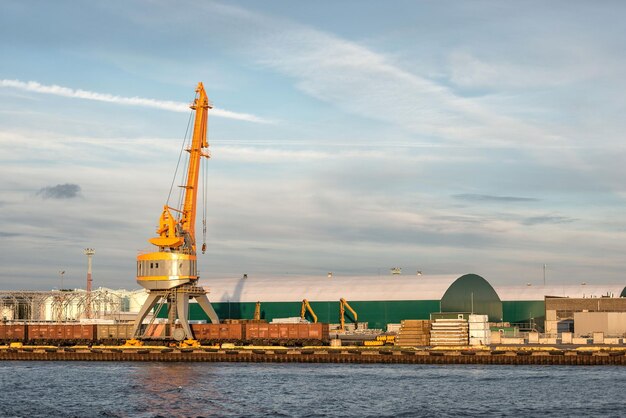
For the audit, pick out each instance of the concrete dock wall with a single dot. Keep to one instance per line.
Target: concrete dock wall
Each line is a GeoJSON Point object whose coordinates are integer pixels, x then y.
{"type": "Point", "coordinates": [328, 356]}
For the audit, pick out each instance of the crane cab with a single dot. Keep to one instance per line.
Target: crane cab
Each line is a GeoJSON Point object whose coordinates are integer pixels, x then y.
{"type": "Point", "coordinates": [165, 270]}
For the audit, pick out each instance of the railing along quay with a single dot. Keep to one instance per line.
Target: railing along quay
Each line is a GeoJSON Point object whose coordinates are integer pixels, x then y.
{"type": "Point", "coordinates": [318, 356]}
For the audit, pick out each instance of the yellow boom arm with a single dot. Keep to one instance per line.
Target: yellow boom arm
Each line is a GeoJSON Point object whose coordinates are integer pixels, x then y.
{"type": "Point", "coordinates": [183, 233]}
{"type": "Point", "coordinates": [307, 307]}
{"type": "Point", "coordinates": [343, 304]}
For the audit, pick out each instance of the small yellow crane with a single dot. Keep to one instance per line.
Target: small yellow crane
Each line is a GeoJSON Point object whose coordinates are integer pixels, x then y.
{"type": "Point", "coordinates": [343, 304]}
{"type": "Point", "coordinates": [306, 307]}
{"type": "Point", "coordinates": [257, 311]}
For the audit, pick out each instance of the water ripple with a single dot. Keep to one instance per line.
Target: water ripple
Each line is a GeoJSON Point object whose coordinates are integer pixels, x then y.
{"type": "Point", "coordinates": [151, 390]}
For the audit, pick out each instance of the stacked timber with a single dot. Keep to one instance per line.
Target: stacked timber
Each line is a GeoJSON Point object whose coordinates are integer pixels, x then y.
{"type": "Point", "coordinates": [479, 332]}
{"type": "Point", "coordinates": [289, 320]}
{"type": "Point", "coordinates": [394, 328]}
{"type": "Point", "coordinates": [449, 332]}
{"type": "Point", "coordinates": [413, 332]}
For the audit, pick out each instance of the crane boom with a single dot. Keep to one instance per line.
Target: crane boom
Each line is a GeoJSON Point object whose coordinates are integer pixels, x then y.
{"type": "Point", "coordinates": [198, 146]}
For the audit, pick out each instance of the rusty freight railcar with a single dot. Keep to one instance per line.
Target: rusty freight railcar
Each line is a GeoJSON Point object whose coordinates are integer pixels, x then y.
{"type": "Point", "coordinates": [61, 334]}
{"type": "Point", "coordinates": [218, 333]}
{"type": "Point", "coordinates": [113, 334]}
{"type": "Point", "coordinates": [12, 333]}
{"type": "Point", "coordinates": [286, 334]}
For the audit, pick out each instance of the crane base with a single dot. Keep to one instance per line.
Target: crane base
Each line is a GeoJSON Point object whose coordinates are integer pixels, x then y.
{"type": "Point", "coordinates": [177, 300]}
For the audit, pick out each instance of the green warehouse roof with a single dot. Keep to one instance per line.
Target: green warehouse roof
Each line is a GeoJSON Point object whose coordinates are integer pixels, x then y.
{"type": "Point", "coordinates": [472, 293]}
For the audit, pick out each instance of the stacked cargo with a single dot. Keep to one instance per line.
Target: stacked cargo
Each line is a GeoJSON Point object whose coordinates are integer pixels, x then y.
{"type": "Point", "coordinates": [479, 332]}
{"type": "Point", "coordinates": [290, 320]}
{"type": "Point", "coordinates": [394, 328]}
{"type": "Point", "coordinates": [449, 332]}
{"type": "Point", "coordinates": [240, 321]}
{"type": "Point", "coordinates": [414, 332]}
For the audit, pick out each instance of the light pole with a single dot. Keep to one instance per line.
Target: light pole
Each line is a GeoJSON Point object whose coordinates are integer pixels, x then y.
{"type": "Point", "coordinates": [61, 274]}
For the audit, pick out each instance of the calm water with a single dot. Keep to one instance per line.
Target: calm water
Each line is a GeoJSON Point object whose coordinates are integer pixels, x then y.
{"type": "Point", "coordinates": [44, 389]}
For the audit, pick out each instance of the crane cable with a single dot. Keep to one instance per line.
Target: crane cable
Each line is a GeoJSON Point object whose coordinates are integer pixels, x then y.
{"type": "Point", "coordinates": [183, 190]}
{"type": "Point", "coordinates": [205, 170]}
{"type": "Point", "coordinates": [204, 165]}
{"type": "Point", "coordinates": [189, 139]}
{"type": "Point", "coordinates": [180, 156]}
{"type": "Point", "coordinates": [205, 180]}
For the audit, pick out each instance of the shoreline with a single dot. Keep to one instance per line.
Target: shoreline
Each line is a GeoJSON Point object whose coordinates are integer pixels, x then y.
{"type": "Point", "coordinates": [501, 356]}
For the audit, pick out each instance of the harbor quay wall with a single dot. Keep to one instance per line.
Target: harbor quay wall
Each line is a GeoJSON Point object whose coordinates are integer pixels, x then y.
{"type": "Point", "coordinates": [346, 356]}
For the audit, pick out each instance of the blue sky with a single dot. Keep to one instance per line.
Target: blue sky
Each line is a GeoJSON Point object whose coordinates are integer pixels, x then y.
{"type": "Point", "coordinates": [446, 137]}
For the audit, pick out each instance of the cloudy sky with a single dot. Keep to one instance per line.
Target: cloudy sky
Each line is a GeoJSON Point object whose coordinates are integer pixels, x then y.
{"type": "Point", "coordinates": [446, 137]}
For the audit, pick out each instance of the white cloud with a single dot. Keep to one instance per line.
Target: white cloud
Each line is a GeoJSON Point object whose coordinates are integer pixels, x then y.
{"type": "Point", "coordinates": [172, 106]}
{"type": "Point", "coordinates": [470, 71]}
{"type": "Point", "coordinates": [384, 157]}
{"type": "Point", "coordinates": [359, 80]}
{"type": "Point", "coordinates": [355, 200]}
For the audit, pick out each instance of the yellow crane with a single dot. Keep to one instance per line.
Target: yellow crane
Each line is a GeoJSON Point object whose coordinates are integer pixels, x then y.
{"type": "Point", "coordinates": [257, 311]}
{"type": "Point", "coordinates": [306, 307]}
{"type": "Point", "coordinates": [175, 261]}
{"type": "Point", "coordinates": [343, 305]}
{"type": "Point", "coordinates": [171, 273]}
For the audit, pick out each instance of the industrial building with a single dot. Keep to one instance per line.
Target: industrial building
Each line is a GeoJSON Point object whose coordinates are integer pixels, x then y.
{"type": "Point", "coordinates": [70, 304]}
{"type": "Point", "coordinates": [378, 300]}
{"type": "Point", "coordinates": [526, 304]}
{"type": "Point", "coordinates": [586, 316]}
